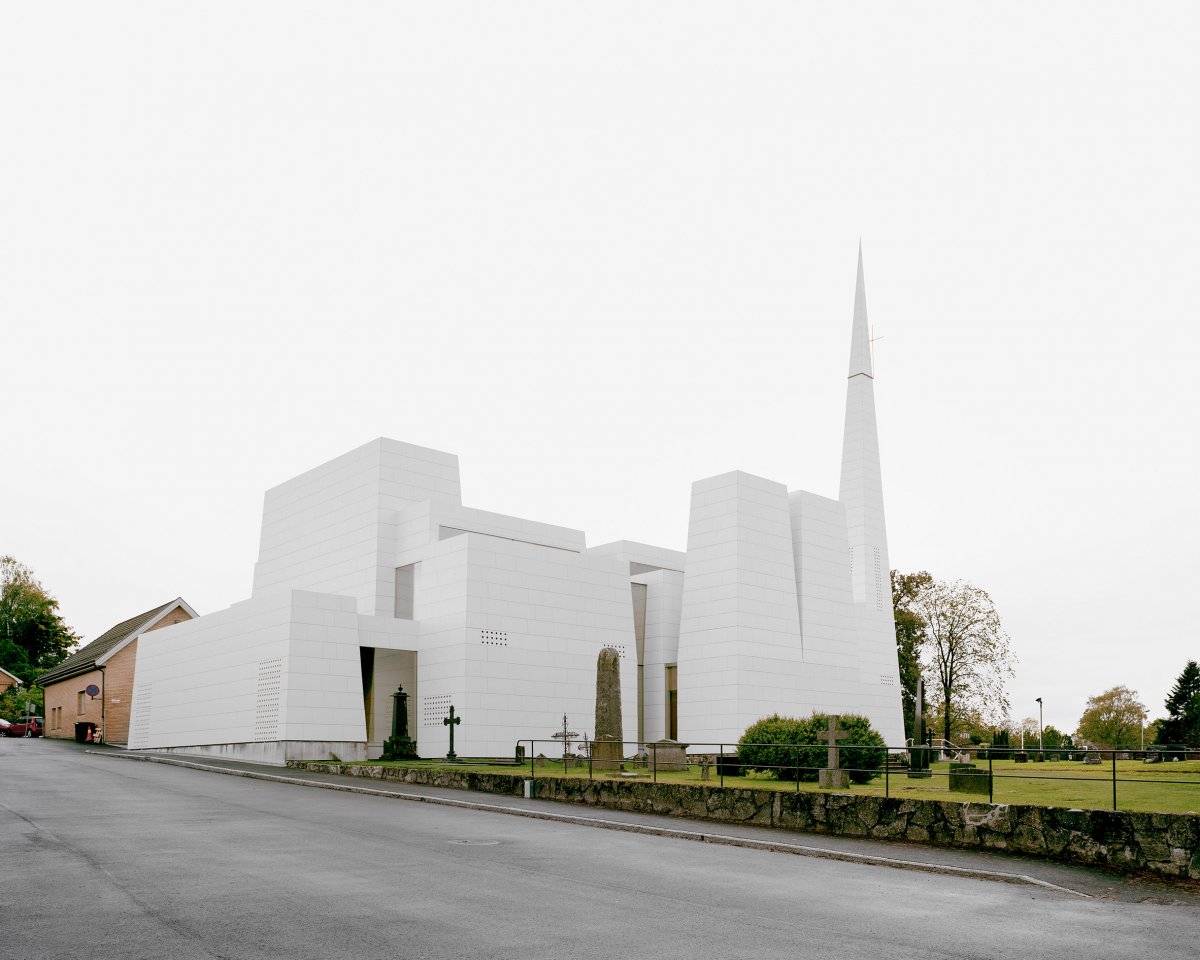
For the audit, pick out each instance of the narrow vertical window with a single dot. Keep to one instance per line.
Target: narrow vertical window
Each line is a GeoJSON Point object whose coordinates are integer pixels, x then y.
{"type": "Point", "coordinates": [405, 590]}
{"type": "Point", "coordinates": [672, 702]}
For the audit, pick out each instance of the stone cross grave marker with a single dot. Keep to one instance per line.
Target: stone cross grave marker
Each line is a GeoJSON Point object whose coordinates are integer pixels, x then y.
{"type": "Point", "coordinates": [452, 721]}
{"type": "Point", "coordinates": [566, 735]}
{"type": "Point", "coordinates": [832, 778]}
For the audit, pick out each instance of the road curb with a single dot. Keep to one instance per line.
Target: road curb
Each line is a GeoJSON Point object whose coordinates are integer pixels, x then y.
{"type": "Point", "coordinates": [775, 846]}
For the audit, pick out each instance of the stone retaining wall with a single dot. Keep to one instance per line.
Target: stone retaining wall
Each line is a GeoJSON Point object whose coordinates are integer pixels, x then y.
{"type": "Point", "coordinates": [1166, 844]}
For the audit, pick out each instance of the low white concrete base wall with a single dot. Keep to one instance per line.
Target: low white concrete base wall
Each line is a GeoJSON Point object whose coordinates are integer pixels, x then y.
{"type": "Point", "coordinates": [277, 753]}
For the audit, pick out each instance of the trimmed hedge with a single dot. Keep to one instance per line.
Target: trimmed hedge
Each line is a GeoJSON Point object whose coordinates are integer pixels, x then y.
{"type": "Point", "coordinates": [791, 748]}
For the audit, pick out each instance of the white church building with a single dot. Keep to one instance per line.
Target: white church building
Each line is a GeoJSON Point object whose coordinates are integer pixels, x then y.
{"type": "Point", "coordinates": [372, 573]}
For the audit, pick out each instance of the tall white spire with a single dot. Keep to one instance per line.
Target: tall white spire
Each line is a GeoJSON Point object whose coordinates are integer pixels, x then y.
{"type": "Point", "coordinates": [860, 337]}
{"type": "Point", "coordinates": [862, 484]}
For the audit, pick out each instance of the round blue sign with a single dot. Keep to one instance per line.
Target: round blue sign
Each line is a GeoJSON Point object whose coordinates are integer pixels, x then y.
{"type": "Point", "coordinates": [92, 690]}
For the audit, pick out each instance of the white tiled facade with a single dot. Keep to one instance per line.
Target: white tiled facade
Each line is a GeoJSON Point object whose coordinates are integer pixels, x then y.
{"type": "Point", "coordinates": [371, 574]}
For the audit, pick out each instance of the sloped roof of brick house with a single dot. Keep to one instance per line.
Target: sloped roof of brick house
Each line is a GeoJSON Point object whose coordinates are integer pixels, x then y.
{"type": "Point", "coordinates": [86, 658]}
{"type": "Point", "coordinates": [17, 680]}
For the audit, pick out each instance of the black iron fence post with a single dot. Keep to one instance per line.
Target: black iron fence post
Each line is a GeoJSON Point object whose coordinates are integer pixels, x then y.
{"type": "Point", "coordinates": [531, 761]}
{"type": "Point", "coordinates": [1114, 778]}
{"type": "Point", "coordinates": [887, 777]}
{"type": "Point", "coordinates": [991, 781]}
{"type": "Point", "coordinates": [721, 764]}
{"type": "Point", "coordinates": [654, 761]}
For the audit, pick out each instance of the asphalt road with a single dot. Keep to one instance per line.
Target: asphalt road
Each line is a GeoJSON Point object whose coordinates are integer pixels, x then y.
{"type": "Point", "coordinates": [105, 858]}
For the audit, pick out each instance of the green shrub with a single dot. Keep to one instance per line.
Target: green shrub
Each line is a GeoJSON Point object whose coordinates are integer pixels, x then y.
{"type": "Point", "coordinates": [866, 757]}
{"type": "Point", "coordinates": [791, 748]}
{"type": "Point", "coordinates": [776, 745]}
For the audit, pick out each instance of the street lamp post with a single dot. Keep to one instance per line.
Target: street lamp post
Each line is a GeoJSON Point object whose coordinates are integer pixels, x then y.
{"type": "Point", "coordinates": [1041, 739]}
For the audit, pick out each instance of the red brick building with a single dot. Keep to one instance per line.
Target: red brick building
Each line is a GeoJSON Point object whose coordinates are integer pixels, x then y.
{"type": "Point", "coordinates": [105, 666]}
{"type": "Point", "coordinates": [8, 680]}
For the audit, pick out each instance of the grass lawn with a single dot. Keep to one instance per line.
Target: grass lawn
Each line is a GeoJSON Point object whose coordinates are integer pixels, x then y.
{"type": "Point", "coordinates": [1061, 784]}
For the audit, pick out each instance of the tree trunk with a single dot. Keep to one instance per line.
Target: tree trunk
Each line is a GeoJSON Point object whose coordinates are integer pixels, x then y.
{"type": "Point", "coordinates": [946, 712]}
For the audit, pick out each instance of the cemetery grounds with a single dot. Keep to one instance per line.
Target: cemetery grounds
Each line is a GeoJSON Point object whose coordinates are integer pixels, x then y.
{"type": "Point", "coordinates": [1165, 787]}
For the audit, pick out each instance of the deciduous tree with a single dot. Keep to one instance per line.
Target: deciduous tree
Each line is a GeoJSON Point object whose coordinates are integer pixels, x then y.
{"type": "Point", "coordinates": [14, 700]}
{"type": "Point", "coordinates": [1026, 732]}
{"type": "Point", "coordinates": [33, 636]}
{"type": "Point", "coordinates": [1113, 718]}
{"type": "Point", "coordinates": [910, 639]}
{"type": "Point", "coordinates": [967, 653]}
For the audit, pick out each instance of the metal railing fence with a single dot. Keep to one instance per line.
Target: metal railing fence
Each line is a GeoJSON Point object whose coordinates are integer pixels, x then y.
{"type": "Point", "coordinates": [880, 762]}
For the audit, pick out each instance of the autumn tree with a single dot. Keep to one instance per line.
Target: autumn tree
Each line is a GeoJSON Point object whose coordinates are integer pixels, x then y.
{"type": "Point", "coordinates": [1182, 723]}
{"type": "Point", "coordinates": [33, 636]}
{"type": "Point", "coordinates": [1026, 732]}
{"type": "Point", "coordinates": [1113, 718]}
{"type": "Point", "coordinates": [967, 657]}
{"type": "Point", "coordinates": [910, 639]}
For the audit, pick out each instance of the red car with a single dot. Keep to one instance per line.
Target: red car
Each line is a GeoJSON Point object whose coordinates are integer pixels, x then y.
{"type": "Point", "coordinates": [25, 727]}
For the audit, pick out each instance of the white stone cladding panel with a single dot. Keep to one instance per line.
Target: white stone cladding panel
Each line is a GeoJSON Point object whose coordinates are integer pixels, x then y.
{"type": "Point", "coordinates": [324, 682]}
{"type": "Point", "coordinates": [740, 651]}
{"type": "Point", "coordinates": [664, 596]}
{"type": "Point", "coordinates": [556, 611]}
{"type": "Point", "coordinates": [440, 608]}
{"type": "Point", "coordinates": [412, 528]}
{"type": "Point", "coordinates": [880, 673]}
{"type": "Point", "coordinates": [827, 615]}
{"type": "Point", "coordinates": [204, 675]}
{"type": "Point", "coordinates": [332, 528]}
{"type": "Point", "coordinates": [388, 633]}
{"type": "Point", "coordinates": [861, 493]}
{"type": "Point", "coordinates": [498, 525]}
{"type": "Point", "coordinates": [631, 551]}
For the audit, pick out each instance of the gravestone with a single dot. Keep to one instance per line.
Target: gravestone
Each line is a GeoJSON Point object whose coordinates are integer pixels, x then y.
{"type": "Point", "coordinates": [667, 755]}
{"type": "Point", "coordinates": [918, 754]}
{"type": "Point", "coordinates": [399, 746]}
{"type": "Point", "coordinates": [729, 765]}
{"type": "Point", "coordinates": [967, 778]}
{"type": "Point", "coordinates": [832, 778]}
{"type": "Point", "coordinates": [607, 748]}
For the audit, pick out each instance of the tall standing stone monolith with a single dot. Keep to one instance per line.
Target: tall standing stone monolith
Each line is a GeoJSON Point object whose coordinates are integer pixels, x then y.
{"type": "Point", "coordinates": [607, 748]}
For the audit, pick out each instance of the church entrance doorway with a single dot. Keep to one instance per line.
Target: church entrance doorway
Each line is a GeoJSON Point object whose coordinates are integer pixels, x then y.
{"type": "Point", "coordinates": [383, 671]}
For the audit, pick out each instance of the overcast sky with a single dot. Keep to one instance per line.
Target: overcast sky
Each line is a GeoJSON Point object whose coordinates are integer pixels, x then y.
{"type": "Point", "coordinates": [602, 251]}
